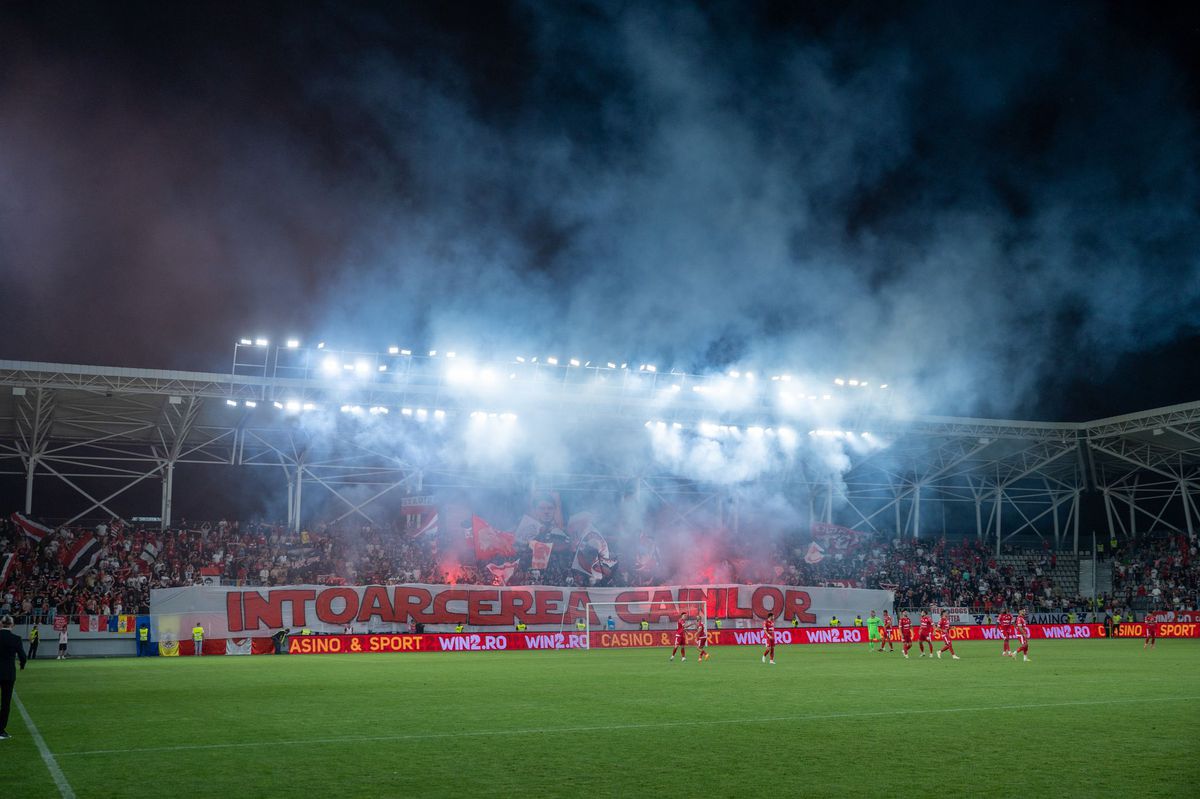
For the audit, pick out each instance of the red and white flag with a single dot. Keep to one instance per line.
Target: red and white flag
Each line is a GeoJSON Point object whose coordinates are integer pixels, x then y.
{"type": "Point", "coordinates": [7, 566]}
{"type": "Point", "coordinates": [238, 646]}
{"type": "Point", "coordinates": [502, 572]}
{"type": "Point", "coordinates": [490, 542]}
{"type": "Point", "coordinates": [80, 555]}
{"type": "Point", "coordinates": [592, 556]}
{"type": "Point", "coordinates": [815, 554]}
{"type": "Point", "coordinates": [540, 554]}
{"type": "Point", "coordinates": [29, 527]}
{"type": "Point", "coordinates": [429, 528]}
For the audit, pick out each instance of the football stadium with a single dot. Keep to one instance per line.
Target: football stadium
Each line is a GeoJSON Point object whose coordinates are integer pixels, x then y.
{"type": "Point", "coordinates": [599, 399]}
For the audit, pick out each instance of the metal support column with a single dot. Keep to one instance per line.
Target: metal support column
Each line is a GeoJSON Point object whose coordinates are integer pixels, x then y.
{"type": "Point", "coordinates": [168, 491]}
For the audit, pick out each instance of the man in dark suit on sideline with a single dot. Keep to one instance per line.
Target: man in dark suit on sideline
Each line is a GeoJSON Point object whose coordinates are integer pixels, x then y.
{"type": "Point", "coordinates": [10, 648]}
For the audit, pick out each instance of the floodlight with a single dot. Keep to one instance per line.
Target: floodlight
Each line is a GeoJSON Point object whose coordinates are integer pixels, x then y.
{"type": "Point", "coordinates": [362, 367]}
{"type": "Point", "coordinates": [308, 406]}
{"type": "Point", "coordinates": [406, 352]}
{"type": "Point", "coordinates": [422, 414]}
{"type": "Point", "coordinates": [734, 373]}
{"type": "Point", "coordinates": [383, 367]}
{"type": "Point", "coordinates": [827, 396]}
{"type": "Point", "coordinates": [774, 377]}
{"type": "Point", "coordinates": [406, 411]}
{"type": "Point", "coordinates": [508, 417]}
{"type": "Point", "coordinates": [552, 361]}
{"type": "Point", "coordinates": [245, 342]}
{"type": "Point", "coordinates": [330, 365]}
{"type": "Point", "coordinates": [612, 365]}
{"type": "Point", "coordinates": [651, 368]}
{"type": "Point", "coordinates": [883, 385]}
{"type": "Point", "coordinates": [292, 343]}
{"type": "Point", "coordinates": [345, 409]}
{"type": "Point", "coordinates": [231, 403]}
{"type": "Point", "coordinates": [574, 361]}
{"type": "Point", "coordinates": [853, 382]}
{"type": "Point", "coordinates": [433, 353]}
{"type": "Point", "coordinates": [755, 431]}
{"type": "Point", "coordinates": [677, 425]}
{"type": "Point", "coordinates": [393, 350]}
{"type": "Point", "coordinates": [451, 354]}
{"type": "Point", "coordinates": [674, 386]}
{"type": "Point", "coordinates": [438, 414]}
{"type": "Point", "coordinates": [839, 381]}
{"type": "Point", "coordinates": [251, 404]}
{"type": "Point", "coordinates": [624, 366]}
{"type": "Point", "coordinates": [786, 378]}
{"type": "Point", "coordinates": [278, 405]}
{"type": "Point", "coordinates": [520, 359]}
{"type": "Point", "coordinates": [292, 405]}
{"type": "Point", "coordinates": [321, 345]}
{"type": "Point", "coordinates": [261, 342]}
{"type": "Point", "coordinates": [749, 375]}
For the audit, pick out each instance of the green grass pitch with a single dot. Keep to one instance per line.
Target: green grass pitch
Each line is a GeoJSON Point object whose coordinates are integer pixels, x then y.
{"type": "Point", "coordinates": [1084, 718]}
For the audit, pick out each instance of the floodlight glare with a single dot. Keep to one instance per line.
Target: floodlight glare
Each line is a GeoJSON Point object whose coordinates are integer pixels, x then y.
{"type": "Point", "coordinates": [438, 414]}
{"type": "Point", "coordinates": [321, 345]}
{"type": "Point", "coordinates": [677, 425]}
{"type": "Point", "coordinates": [278, 405]}
{"type": "Point", "coordinates": [308, 406]}
{"type": "Point", "coordinates": [251, 404]}
{"type": "Point", "coordinates": [508, 417]}
{"type": "Point", "coordinates": [292, 343]}
{"type": "Point", "coordinates": [433, 353]}
{"type": "Point", "coordinates": [292, 405]}
{"type": "Point", "coordinates": [245, 342]}
{"type": "Point", "coordinates": [651, 368]}
{"type": "Point", "coordinates": [362, 367]}
{"type": "Point", "coordinates": [383, 367]}
{"type": "Point", "coordinates": [552, 361]}
{"type": "Point", "coordinates": [883, 385]}
{"type": "Point", "coordinates": [853, 382]}
{"type": "Point", "coordinates": [451, 355]}
{"type": "Point", "coordinates": [422, 414]}
{"type": "Point", "coordinates": [612, 365]}
{"type": "Point", "coordinates": [231, 403]}
{"type": "Point", "coordinates": [520, 359]}
{"type": "Point", "coordinates": [734, 373]}
{"type": "Point", "coordinates": [393, 350]}
{"type": "Point", "coordinates": [261, 342]}
{"type": "Point", "coordinates": [330, 365]}
{"type": "Point", "coordinates": [839, 381]}
{"type": "Point", "coordinates": [574, 361]}
{"type": "Point", "coordinates": [406, 412]}
{"type": "Point", "coordinates": [406, 352]}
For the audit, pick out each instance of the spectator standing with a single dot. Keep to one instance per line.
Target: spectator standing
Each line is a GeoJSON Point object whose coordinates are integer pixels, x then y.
{"type": "Point", "coordinates": [10, 649]}
{"type": "Point", "coordinates": [62, 644]}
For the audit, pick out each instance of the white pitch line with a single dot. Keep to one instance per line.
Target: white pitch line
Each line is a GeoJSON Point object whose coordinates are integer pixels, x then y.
{"type": "Point", "coordinates": [613, 727]}
{"type": "Point", "coordinates": [60, 779]}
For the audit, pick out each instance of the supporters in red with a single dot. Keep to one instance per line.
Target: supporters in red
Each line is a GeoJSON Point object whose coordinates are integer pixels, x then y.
{"type": "Point", "coordinates": [701, 639]}
{"type": "Point", "coordinates": [769, 638]}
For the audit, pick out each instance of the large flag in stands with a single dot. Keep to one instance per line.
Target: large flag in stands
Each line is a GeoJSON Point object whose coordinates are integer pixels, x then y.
{"type": "Point", "coordinates": [540, 551]}
{"type": "Point", "coordinates": [29, 527]}
{"type": "Point", "coordinates": [7, 564]}
{"type": "Point", "coordinates": [503, 572]}
{"type": "Point", "coordinates": [81, 555]}
{"type": "Point", "coordinates": [490, 542]}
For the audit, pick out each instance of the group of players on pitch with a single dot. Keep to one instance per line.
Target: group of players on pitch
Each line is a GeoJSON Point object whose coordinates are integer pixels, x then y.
{"type": "Point", "coordinates": [1009, 627]}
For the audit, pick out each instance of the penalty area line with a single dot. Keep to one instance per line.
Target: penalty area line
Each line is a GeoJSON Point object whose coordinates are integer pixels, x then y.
{"type": "Point", "coordinates": [617, 727]}
{"type": "Point", "coordinates": [60, 779]}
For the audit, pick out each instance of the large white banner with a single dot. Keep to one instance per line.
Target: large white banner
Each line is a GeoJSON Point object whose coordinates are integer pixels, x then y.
{"type": "Point", "coordinates": [236, 612]}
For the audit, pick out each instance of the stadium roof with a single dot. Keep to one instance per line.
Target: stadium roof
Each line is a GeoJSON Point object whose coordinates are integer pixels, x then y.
{"type": "Point", "coordinates": [83, 424]}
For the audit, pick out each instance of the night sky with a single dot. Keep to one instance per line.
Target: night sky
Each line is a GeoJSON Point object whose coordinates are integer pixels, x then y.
{"type": "Point", "coordinates": [993, 205]}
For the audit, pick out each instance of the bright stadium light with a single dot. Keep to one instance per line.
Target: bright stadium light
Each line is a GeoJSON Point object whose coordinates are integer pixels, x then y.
{"type": "Point", "coordinates": [508, 417]}
{"type": "Point", "coordinates": [278, 405]}
{"type": "Point", "coordinates": [261, 342]}
{"type": "Point", "coordinates": [231, 403]}
{"type": "Point", "coordinates": [292, 406]}
{"type": "Point", "coordinates": [552, 361]}
{"type": "Point", "coordinates": [406, 412]}
{"type": "Point", "coordinates": [330, 365]}
{"type": "Point", "coordinates": [451, 355]}
{"type": "Point", "coordinates": [574, 362]}
{"type": "Point", "coordinates": [406, 352]}
{"type": "Point", "coordinates": [651, 367]}
{"type": "Point", "coordinates": [734, 373]}
{"type": "Point", "coordinates": [883, 385]}
{"type": "Point", "coordinates": [293, 343]}
{"type": "Point", "coordinates": [320, 345]}
{"type": "Point", "coordinates": [245, 342]}
{"type": "Point", "coordinates": [612, 365]}
{"type": "Point", "coordinates": [383, 367]}
{"type": "Point", "coordinates": [853, 382]}
{"type": "Point", "coordinates": [362, 367]}
{"type": "Point", "coordinates": [433, 353]}
{"type": "Point", "coordinates": [839, 381]}
{"type": "Point", "coordinates": [438, 414]}
{"type": "Point", "coordinates": [308, 406]}
{"type": "Point", "coordinates": [393, 350]}
{"type": "Point", "coordinates": [422, 414]}
{"type": "Point", "coordinates": [520, 359]}
{"type": "Point", "coordinates": [250, 404]}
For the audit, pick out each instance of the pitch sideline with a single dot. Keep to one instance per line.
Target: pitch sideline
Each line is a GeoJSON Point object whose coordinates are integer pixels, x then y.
{"type": "Point", "coordinates": [60, 779]}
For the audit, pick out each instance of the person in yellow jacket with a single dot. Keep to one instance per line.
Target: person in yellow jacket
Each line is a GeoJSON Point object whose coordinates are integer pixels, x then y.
{"type": "Point", "coordinates": [833, 622]}
{"type": "Point", "coordinates": [198, 639]}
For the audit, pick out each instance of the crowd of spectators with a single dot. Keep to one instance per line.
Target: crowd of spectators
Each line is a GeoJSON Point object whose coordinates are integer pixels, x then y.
{"type": "Point", "coordinates": [1160, 573]}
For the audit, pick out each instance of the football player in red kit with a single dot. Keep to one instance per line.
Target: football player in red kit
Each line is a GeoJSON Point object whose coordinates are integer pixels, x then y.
{"type": "Point", "coordinates": [1022, 632]}
{"type": "Point", "coordinates": [1005, 623]}
{"type": "Point", "coordinates": [887, 633]}
{"type": "Point", "coordinates": [769, 638]}
{"type": "Point", "coordinates": [925, 634]}
{"type": "Point", "coordinates": [681, 637]}
{"type": "Point", "coordinates": [701, 639]}
{"type": "Point", "coordinates": [944, 629]}
{"type": "Point", "coordinates": [905, 633]}
{"type": "Point", "coordinates": [1151, 631]}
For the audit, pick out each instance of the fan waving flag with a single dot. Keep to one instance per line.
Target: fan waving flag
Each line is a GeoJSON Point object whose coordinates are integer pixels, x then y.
{"type": "Point", "coordinates": [503, 572]}
{"type": "Point", "coordinates": [81, 555]}
{"type": "Point", "coordinates": [29, 527]}
{"type": "Point", "coordinates": [490, 542]}
{"type": "Point", "coordinates": [540, 551]}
